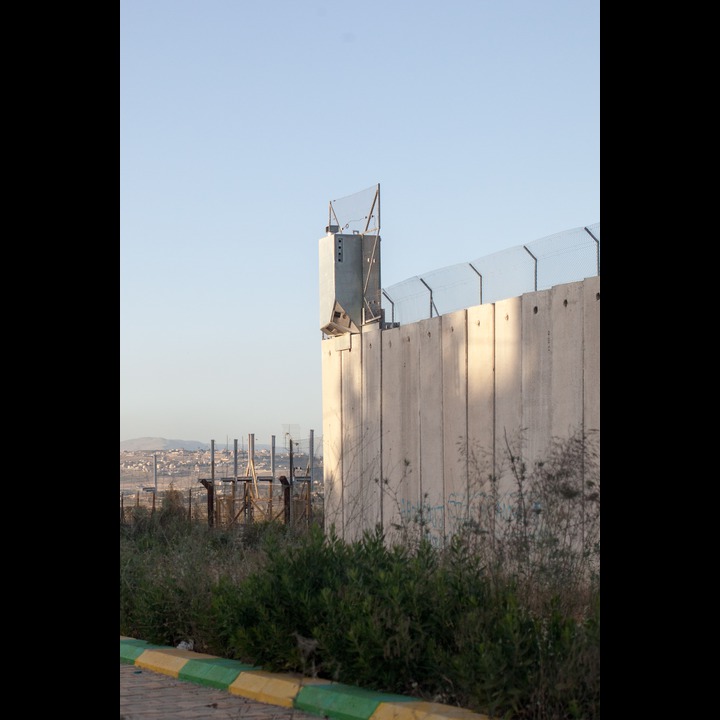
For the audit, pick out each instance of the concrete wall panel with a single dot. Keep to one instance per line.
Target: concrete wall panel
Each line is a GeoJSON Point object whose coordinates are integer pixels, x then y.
{"type": "Point", "coordinates": [431, 433]}
{"type": "Point", "coordinates": [427, 408]}
{"type": "Point", "coordinates": [537, 358]}
{"type": "Point", "coordinates": [372, 427]}
{"type": "Point", "coordinates": [481, 396]}
{"type": "Point", "coordinates": [591, 357]}
{"type": "Point", "coordinates": [332, 432]}
{"type": "Point", "coordinates": [352, 391]}
{"type": "Point", "coordinates": [393, 468]}
{"type": "Point", "coordinates": [454, 380]}
{"type": "Point", "coordinates": [403, 491]}
{"type": "Point", "coordinates": [508, 388]}
{"type": "Point", "coordinates": [567, 367]}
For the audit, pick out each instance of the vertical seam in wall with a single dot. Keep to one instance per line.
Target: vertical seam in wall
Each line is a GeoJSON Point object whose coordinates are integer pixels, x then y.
{"type": "Point", "coordinates": [494, 390]}
{"type": "Point", "coordinates": [361, 437]}
{"type": "Point", "coordinates": [583, 360]}
{"type": "Point", "coordinates": [380, 426]}
{"type": "Point", "coordinates": [418, 393]}
{"type": "Point", "coordinates": [467, 414]}
{"type": "Point", "coordinates": [442, 430]}
{"type": "Point", "coordinates": [342, 443]}
{"type": "Point", "coordinates": [523, 434]}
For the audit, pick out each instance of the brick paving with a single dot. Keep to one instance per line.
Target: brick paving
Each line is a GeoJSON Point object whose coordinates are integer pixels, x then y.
{"type": "Point", "coordinates": [147, 695]}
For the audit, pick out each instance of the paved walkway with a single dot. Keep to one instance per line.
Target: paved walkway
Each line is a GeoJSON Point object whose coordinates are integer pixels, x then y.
{"type": "Point", "coordinates": [165, 683]}
{"type": "Point", "coordinates": [148, 695]}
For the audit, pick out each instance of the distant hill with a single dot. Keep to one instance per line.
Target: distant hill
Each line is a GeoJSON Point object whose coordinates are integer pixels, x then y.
{"type": "Point", "coordinates": [149, 444]}
{"type": "Point", "coordinates": [156, 443]}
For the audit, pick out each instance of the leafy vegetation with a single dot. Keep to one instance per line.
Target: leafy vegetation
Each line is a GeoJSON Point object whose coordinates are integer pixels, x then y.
{"type": "Point", "coordinates": [503, 620]}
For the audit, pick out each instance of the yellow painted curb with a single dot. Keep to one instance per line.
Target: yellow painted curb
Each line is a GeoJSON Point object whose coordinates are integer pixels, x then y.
{"type": "Point", "coordinates": [270, 687]}
{"type": "Point", "coordinates": [418, 710]}
{"type": "Point", "coordinates": [168, 662]}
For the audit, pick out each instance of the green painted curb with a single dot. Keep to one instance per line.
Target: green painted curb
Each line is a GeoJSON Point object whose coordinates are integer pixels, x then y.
{"type": "Point", "coordinates": [213, 672]}
{"type": "Point", "coordinates": [335, 701]}
{"type": "Point", "coordinates": [131, 650]}
{"type": "Point", "coordinates": [344, 702]}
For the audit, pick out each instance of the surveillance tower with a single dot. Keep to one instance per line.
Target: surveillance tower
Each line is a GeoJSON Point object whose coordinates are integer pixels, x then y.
{"type": "Point", "coordinates": [350, 292]}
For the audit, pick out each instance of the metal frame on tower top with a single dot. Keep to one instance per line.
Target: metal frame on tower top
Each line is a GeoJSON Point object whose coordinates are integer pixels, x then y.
{"type": "Point", "coordinates": [370, 234]}
{"type": "Point", "coordinates": [376, 201]}
{"type": "Point", "coordinates": [369, 315]}
{"type": "Point", "coordinates": [375, 204]}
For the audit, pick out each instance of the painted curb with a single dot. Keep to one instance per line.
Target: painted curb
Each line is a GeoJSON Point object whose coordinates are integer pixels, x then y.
{"type": "Point", "coordinates": [312, 695]}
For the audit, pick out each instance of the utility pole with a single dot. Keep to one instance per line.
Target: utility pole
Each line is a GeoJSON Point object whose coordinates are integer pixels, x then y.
{"type": "Point", "coordinates": [292, 483]}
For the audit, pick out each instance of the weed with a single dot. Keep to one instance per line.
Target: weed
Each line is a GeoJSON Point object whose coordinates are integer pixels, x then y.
{"type": "Point", "coordinates": [501, 618]}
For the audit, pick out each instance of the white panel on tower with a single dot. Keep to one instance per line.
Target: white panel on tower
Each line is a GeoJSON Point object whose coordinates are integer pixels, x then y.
{"type": "Point", "coordinates": [342, 281]}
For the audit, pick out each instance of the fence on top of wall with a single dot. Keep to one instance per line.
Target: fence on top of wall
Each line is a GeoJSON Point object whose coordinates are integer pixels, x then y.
{"type": "Point", "coordinates": [567, 256]}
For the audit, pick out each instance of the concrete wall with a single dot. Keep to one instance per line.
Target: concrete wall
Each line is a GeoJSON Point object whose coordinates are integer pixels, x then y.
{"type": "Point", "coordinates": [417, 417]}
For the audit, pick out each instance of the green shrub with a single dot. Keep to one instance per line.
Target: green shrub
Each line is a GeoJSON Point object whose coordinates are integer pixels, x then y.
{"type": "Point", "coordinates": [505, 620]}
{"type": "Point", "coordinates": [266, 613]}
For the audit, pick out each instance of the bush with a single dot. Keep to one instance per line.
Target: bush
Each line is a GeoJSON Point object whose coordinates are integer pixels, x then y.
{"type": "Point", "coordinates": [504, 621]}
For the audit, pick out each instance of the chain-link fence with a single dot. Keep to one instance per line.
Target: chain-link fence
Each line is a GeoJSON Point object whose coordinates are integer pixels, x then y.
{"type": "Point", "coordinates": [236, 486]}
{"type": "Point", "coordinates": [567, 256]}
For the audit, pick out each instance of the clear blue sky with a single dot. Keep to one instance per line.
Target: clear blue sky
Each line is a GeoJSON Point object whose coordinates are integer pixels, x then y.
{"type": "Point", "coordinates": [240, 120]}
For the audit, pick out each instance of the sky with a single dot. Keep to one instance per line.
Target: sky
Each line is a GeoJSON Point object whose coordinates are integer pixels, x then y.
{"type": "Point", "coordinates": [241, 120]}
